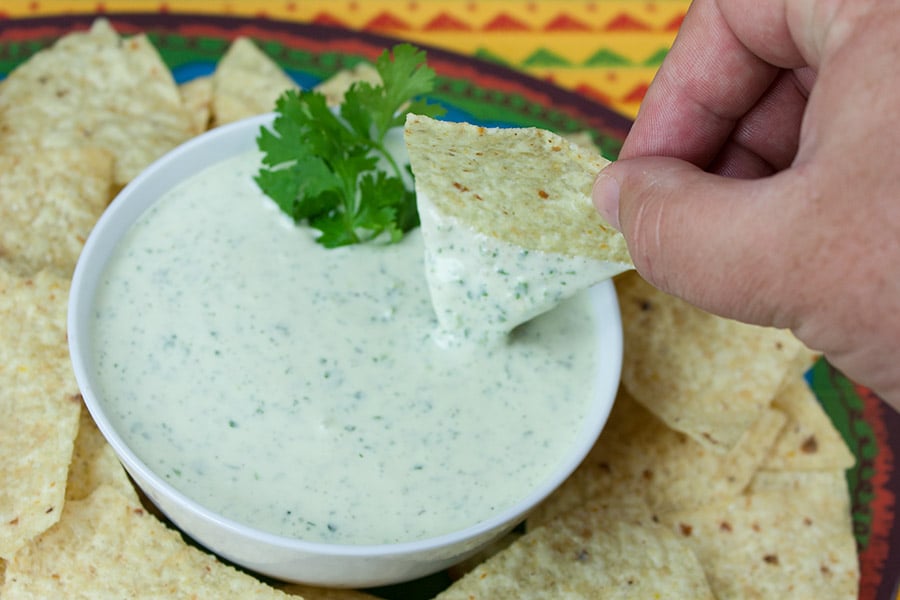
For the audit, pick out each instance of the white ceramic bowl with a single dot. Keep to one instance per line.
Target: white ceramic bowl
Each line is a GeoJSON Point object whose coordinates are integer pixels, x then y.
{"type": "Point", "coordinates": [266, 553]}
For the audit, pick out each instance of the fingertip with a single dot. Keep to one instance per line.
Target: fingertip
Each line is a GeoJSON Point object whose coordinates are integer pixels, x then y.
{"type": "Point", "coordinates": [605, 195]}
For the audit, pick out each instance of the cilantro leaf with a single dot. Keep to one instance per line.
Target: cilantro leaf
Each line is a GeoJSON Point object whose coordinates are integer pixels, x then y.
{"type": "Point", "coordinates": [328, 169]}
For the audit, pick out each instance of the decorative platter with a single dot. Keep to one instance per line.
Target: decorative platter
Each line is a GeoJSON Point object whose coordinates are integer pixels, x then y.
{"type": "Point", "coordinates": [490, 94]}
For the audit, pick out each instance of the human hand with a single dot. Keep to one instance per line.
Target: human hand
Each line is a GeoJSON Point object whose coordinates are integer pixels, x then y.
{"type": "Point", "coordinates": [761, 178]}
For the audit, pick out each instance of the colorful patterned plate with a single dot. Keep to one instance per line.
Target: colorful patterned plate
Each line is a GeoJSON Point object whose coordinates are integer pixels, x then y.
{"type": "Point", "coordinates": [490, 94]}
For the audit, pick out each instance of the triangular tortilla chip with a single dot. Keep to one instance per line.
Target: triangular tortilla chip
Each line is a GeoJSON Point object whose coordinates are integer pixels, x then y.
{"type": "Point", "coordinates": [640, 455]}
{"type": "Point", "coordinates": [702, 374]}
{"type": "Point", "coordinates": [607, 551]}
{"type": "Point", "coordinates": [246, 83]}
{"type": "Point", "coordinates": [335, 87]}
{"type": "Point", "coordinates": [507, 221]}
{"type": "Point", "coordinates": [526, 186]}
{"type": "Point", "coordinates": [95, 89]}
{"type": "Point", "coordinates": [109, 546]}
{"type": "Point", "coordinates": [790, 538]}
{"type": "Point", "coordinates": [49, 202]}
{"type": "Point", "coordinates": [39, 406]}
{"type": "Point", "coordinates": [197, 96]}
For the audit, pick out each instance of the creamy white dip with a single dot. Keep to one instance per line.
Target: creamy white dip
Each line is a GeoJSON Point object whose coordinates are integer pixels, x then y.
{"type": "Point", "coordinates": [482, 287]}
{"type": "Point", "coordinates": [301, 390]}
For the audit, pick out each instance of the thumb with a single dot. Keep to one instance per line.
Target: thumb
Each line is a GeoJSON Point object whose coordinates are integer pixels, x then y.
{"type": "Point", "coordinates": [714, 241]}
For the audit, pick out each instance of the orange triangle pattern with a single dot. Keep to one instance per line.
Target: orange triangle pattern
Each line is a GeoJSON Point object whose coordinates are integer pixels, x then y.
{"type": "Point", "coordinates": [386, 20]}
{"type": "Point", "coordinates": [446, 22]}
{"type": "Point", "coordinates": [625, 22]}
{"type": "Point", "coordinates": [327, 19]}
{"type": "Point", "coordinates": [636, 95]}
{"type": "Point", "coordinates": [675, 24]}
{"type": "Point", "coordinates": [504, 21]}
{"type": "Point", "coordinates": [594, 94]}
{"type": "Point", "coordinates": [566, 23]}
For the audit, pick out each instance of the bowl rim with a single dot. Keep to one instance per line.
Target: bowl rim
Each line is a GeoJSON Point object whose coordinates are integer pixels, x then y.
{"type": "Point", "coordinates": [227, 140]}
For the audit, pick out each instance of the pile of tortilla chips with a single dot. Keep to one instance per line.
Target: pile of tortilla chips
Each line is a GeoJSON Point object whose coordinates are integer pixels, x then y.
{"type": "Point", "coordinates": [764, 511]}
{"type": "Point", "coordinates": [77, 122]}
{"type": "Point", "coordinates": [718, 475]}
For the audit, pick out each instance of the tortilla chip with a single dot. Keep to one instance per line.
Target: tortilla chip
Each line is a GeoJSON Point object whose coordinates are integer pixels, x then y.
{"type": "Point", "coordinates": [526, 186]}
{"type": "Point", "coordinates": [791, 481]}
{"type": "Point", "coordinates": [95, 89]}
{"type": "Point", "coordinates": [810, 441]}
{"type": "Point", "coordinates": [39, 406]}
{"type": "Point", "coordinates": [49, 202]}
{"type": "Point", "coordinates": [488, 198]}
{"type": "Point", "coordinates": [12, 266]}
{"type": "Point", "coordinates": [599, 551]}
{"type": "Point", "coordinates": [335, 87]}
{"type": "Point", "coordinates": [94, 463]}
{"type": "Point", "coordinates": [793, 539]}
{"type": "Point", "coordinates": [804, 361]}
{"type": "Point", "coordinates": [246, 83]}
{"type": "Point", "coordinates": [196, 95]}
{"type": "Point", "coordinates": [108, 546]}
{"type": "Point", "coordinates": [583, 139]}
{"type": "Point", "coordinates": [704, 375]}
{"type": "Point", "coordinates": [458, 570]}
{"type": "Point", "coordinates": [637, 454]}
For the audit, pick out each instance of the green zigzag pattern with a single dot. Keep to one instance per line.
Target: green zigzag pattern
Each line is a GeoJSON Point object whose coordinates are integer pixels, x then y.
{"type": "Point", "coordinates": [488, 56]}
{"type": "Point", "coordinates": [607, 58]}
{"type": "Point", "coordinates": [545, 58]}
{"type": "Point", "coordinates": [604, 57]}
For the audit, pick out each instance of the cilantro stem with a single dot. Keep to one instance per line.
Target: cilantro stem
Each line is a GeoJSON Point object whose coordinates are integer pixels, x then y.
{"type": "Point", "coordinates": [382, 150]}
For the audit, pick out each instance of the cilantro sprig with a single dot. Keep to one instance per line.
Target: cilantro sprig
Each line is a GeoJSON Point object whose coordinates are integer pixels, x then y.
{"type": "Point", "coordinates": [334, 172]}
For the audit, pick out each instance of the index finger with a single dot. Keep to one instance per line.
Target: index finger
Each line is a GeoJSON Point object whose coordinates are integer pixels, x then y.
{"type": "Point", "coordinates": [725, 57]}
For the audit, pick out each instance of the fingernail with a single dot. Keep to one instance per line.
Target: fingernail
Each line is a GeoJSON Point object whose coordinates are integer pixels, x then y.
{"type": "Point", "coordinates": [606, 198]}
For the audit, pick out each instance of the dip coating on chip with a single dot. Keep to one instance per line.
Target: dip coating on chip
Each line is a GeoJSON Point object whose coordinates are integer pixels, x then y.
{"type": "Point", "coordinates": [508, 223]}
